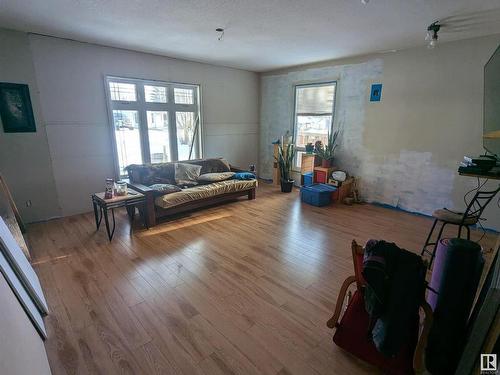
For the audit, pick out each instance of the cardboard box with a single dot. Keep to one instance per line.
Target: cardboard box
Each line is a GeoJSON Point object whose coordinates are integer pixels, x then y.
{"type": "Point", "coordinates": [343, 191]}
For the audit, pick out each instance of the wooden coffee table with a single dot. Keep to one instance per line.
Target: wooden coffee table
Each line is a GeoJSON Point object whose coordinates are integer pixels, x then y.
{"type": "Point", "coordinates": [129, 201]}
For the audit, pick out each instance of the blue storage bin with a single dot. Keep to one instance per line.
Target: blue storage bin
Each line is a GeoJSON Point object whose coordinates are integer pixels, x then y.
{"type": "Point", "coordinates": [308, 178]}
{"type": "Point", "coordinates": [317, 194]}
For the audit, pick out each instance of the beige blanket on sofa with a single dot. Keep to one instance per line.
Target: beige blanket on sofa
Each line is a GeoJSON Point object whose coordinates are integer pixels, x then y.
{"type": "Point", "coordinates": [204, 191]}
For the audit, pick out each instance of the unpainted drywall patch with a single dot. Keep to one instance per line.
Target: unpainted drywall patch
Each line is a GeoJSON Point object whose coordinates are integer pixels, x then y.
{"type": "Point", "coordinates": [278, 101]}
{"type": "Point", "coordinates": [408, 180]}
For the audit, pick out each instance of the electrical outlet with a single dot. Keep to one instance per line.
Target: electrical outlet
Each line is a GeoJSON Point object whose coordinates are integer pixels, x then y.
{"type": "Point", "coordinates": [28, 203]}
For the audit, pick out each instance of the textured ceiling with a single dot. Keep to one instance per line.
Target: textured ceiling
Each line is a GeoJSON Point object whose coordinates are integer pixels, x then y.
{"type": "Point", "coordinates": [260, 35]}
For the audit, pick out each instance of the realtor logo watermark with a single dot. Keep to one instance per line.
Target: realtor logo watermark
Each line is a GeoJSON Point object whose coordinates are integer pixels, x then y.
{"type": "Point", "coordinates": [488, 363]}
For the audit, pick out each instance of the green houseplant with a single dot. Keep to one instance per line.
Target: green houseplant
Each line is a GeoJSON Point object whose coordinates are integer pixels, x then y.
{"type": "Point", "coordinates": [327, 152]}
{"type": "Point", "coordinates": [285, 158]}
{"type": "Point", "coordinates": [309, 148]}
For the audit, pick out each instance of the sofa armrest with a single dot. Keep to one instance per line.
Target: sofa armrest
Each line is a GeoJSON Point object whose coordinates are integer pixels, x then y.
{"type": "Point", "coordinates": [140, 188]}
{"type": "Point", "coordinates": [150, 201]}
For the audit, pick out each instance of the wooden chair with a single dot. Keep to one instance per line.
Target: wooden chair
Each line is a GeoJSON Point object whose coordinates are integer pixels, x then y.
{"type": "Point", "coordinates": [465, 219]}
{"type": "Point", "coordinates": [351, 327]}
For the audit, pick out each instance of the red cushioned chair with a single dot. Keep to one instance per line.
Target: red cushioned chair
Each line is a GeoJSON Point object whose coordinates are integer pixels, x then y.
{"type": "Point", "coordinates": [351, 332]}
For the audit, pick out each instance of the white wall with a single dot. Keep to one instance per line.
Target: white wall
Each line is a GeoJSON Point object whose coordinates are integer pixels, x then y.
{"type": "Point", "coordinates": [405, 148]}
{"type": "Point", "coordinates": [70, 78]}
{"type": "Point", "coordinates": [24, 157]}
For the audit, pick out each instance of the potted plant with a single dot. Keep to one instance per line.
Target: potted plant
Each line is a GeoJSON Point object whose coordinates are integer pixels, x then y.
{"type": "Point", "coordinates": [326, 152]}
{"type": "Point", "coordinates": [309, 148]}
{"type": "Point", "coordinates": [285, 158]}
{"type": "Point", "coordinates": [317, 146]}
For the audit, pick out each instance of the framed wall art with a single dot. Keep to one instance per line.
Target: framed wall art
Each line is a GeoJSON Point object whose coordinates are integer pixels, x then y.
{"type": "Point", "coordinates": [16, 111]}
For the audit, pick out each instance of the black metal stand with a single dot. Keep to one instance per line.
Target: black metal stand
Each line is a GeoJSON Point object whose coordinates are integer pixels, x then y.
{"type": "Point", "coordinates": [102, 206]}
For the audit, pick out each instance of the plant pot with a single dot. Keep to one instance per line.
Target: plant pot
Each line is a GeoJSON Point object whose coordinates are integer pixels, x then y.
{"type": "Point", "coordinates": [286, 186]}
{"type": "Point", "coordinates": [325, 163]}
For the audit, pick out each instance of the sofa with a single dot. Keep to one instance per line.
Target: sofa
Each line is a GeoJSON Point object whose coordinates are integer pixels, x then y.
{"type": "Point", "coordinates": [186, 195]}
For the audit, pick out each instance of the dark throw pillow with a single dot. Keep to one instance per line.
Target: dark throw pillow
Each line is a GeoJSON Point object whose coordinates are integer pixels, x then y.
{"type": "Point", "coordinates": [186, 174]}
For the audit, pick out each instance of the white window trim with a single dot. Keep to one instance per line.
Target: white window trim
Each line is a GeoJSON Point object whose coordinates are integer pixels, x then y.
{"type": "Point", "coordinates": [142, 107]}
{"type": "Point", "coordinates": [310, 84]}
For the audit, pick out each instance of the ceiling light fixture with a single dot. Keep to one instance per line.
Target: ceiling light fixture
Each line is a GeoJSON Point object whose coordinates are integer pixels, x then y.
{"type": "Point", "coordinates": [364, 2]}
{"type": "Point", "coordinates": [220, 30]}
{"type": "Point", "coordinates": [432, 34]}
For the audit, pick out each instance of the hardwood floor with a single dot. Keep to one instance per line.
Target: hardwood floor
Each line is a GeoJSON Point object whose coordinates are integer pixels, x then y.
{"type": "Point", "coordinates": [242, 288]}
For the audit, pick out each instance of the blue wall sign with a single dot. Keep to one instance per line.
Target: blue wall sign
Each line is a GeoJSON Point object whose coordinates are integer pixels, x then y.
{"type": "Point", "coordinates": [376, 92]}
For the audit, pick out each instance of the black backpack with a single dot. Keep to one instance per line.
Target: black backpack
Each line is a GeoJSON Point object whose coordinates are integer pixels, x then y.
{"type": "Point", "coordinates": [395, 286]}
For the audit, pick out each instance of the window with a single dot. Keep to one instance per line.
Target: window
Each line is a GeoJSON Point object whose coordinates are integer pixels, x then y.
{"type": "Point", "coordinates": [155, 94]}
{"type": "Point", "coordinates": [314, 111]}
{"type": "Point", "coordinates": [183, 96]}
{"type": "Point", "coordinates": [153, 122]}
{"type": "Point", "coordinates": [122, 91]}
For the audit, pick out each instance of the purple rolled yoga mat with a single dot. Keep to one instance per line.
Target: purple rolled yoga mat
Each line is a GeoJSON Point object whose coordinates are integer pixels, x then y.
{"type": "Point", "coordinates": [455, 278]}
{"type": "Point", "coordinates": [437, 271]}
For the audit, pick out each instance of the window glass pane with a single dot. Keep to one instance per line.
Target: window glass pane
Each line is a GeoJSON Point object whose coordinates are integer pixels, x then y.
{"type": "Point", "coordinates": [311, 129]}
{"type": "Point", "coordinates": [185, 123]}
{"type": "Point", "coordinates": [183, 96]}
{"type": "Point", "coordinates": [128, 144]}
{"type": "Point", "coordinates": [159, 145]}
{"type": "Point", "coordinates": [298, 160]}
{"type": "Point", "coordinates": [155, 94]}
{"type": "Point", "coordinates": [316, 100]}
{"type": "Point", "coordinates": [122, 91]}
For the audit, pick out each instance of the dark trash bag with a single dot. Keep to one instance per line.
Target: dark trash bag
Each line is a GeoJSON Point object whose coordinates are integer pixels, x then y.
{"type": "Point", "coordinates": [395, 288]}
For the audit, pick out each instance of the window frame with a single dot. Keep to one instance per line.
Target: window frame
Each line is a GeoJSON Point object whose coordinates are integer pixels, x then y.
{"type": "Point", "coordinates": [296, 86]}
{"type": "Point", "coordinates": [141, 106]}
